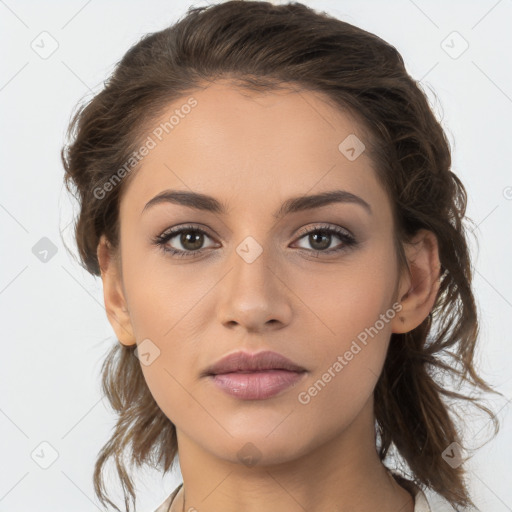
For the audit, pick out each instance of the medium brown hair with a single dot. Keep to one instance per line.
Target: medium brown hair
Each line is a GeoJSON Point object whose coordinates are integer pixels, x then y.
{"type": "Point", "coordinates": [261, 47]}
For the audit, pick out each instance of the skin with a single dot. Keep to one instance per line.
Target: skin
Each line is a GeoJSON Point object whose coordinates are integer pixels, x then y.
{"type": "Point", "coordinates": [252, 152]}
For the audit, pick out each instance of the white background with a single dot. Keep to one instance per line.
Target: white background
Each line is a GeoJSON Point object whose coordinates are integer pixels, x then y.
{"type": "Point", "coordinates": [54, 327]}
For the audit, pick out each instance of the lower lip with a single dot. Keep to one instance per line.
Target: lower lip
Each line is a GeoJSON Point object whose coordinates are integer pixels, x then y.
{"type": "Point", "coordinates": [256, 385]}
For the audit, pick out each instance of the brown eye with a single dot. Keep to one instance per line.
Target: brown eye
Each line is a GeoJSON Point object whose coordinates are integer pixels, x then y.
{"type": "Point", "coordinates": [185, 241]}
{"type": "Point", "coordinates": [320, 239]}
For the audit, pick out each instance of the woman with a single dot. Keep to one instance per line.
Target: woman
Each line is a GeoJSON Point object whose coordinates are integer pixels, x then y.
{"type": "Point", "coordinates": [268, 199]}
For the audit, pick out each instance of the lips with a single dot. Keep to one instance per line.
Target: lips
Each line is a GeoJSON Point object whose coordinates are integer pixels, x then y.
{"type": "Point", "coordinates": [259, 385]}
{"type": "Point", "coordinates": [254, 376]}
{"type": "Point", "coordinates": [244, 362]}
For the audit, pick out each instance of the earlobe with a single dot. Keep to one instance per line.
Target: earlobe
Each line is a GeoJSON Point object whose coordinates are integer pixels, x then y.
{"type": "Point", "coordinates": [419, 292]}
{"type": "Point", "coordinates": [113, 295]}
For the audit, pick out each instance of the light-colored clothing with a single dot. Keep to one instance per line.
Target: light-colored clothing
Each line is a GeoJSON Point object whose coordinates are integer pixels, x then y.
{"type": "Point", "coordinates": [434, 502]}
{"type": "Point", "coordinates": [166, 505]}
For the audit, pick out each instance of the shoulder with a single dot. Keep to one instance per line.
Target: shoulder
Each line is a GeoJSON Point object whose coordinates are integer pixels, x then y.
{"type": "Point", "coordinates": [166, 505]}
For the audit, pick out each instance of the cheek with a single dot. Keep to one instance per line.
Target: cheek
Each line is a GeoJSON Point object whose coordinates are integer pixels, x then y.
{"type": "Point", "coordinates": [352, 340]}
{"type": "Point", "coordinates": [164, 385]}
{"type": "Point", "coordinates": [160, 292]}
{"type": "Point", "coordinates": [349, 314]}
{"type": "Point", "coordinates": [161, 302]}
{"type": "Point", "coordinates": [344, 300]}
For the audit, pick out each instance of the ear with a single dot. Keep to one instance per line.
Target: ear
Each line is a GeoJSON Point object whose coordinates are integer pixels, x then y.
{"type": "Point", "coordinates": [418, 289]}
{"type": "Point", "coordinates": [113, 293]}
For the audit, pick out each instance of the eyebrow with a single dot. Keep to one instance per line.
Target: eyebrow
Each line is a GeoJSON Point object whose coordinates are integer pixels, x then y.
{"type": "Point", "coordinates": [207, 203]}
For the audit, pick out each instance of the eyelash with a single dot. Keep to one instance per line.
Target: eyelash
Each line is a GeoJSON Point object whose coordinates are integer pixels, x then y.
{"type": "Point", "coordinates": [161, 240]}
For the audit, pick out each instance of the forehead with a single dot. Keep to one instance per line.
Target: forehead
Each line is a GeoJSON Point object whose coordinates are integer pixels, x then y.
{"type": "Point", "coordinates": [259, 147]}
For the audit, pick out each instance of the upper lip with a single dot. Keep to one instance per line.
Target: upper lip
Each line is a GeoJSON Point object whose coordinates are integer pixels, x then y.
{"type": "Point", "coordinates": [244, 361]}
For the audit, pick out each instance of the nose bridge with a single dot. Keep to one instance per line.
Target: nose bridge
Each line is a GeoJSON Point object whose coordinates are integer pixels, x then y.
{"type": "Point", "coordinates": [253, 294]}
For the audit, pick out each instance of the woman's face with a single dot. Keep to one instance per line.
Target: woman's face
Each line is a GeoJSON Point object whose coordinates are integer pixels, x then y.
{"type": "Point", "coordinates": [261, 281]}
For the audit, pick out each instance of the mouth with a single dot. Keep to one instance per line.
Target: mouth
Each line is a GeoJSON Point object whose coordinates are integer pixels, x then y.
{"type": "Point", "coordinates": [254, 376]}
{"type": "Point", "coordinates": [256, 385]}
{"type": "Point", "coordinates": [246, 362]}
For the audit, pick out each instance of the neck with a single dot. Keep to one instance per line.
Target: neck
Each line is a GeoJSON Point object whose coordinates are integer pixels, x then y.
{"type": "Point", "coordinates": [342, 473]}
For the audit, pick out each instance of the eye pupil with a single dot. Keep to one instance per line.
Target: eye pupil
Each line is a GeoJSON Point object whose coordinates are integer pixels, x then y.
{"type": "Point", "coordinates": [188, 236]}
{"type": "Point", "coordinates": [321, 235]}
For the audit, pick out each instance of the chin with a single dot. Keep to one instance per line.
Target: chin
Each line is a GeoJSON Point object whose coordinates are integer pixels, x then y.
{"type": "Point", "coordinates": [258, 449]}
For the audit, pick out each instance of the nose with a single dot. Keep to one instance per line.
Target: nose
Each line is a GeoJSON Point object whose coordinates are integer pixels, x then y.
{"type": "Point", "coordinates": [254, 295]}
